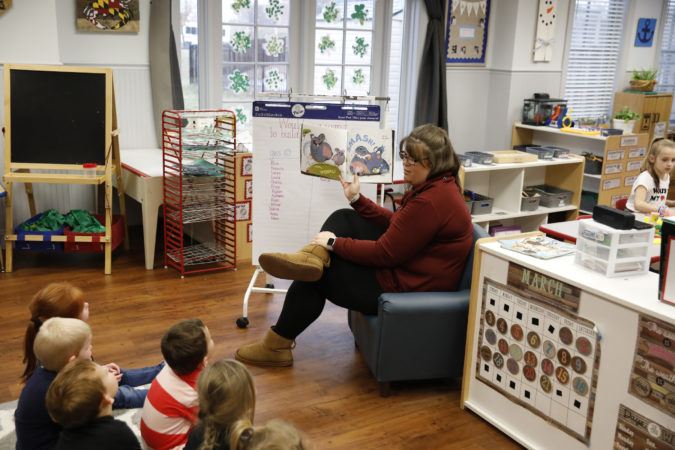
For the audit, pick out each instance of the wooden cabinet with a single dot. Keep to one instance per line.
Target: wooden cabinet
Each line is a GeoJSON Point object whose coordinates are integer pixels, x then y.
{"type": "Point", "coordinates": [654, 110]}
{"type": "Point", "coordinates": [621, 155]}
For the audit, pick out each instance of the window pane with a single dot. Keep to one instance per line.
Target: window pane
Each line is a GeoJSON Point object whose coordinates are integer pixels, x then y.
{"type": "Point", "coordinates": [188, 53]}
{"type": "Point", "coordinates": [238, 44]}
{"type": "Point", "coordinates": [238, 11]}
{"type": "Point", "coordinates": [328, 47]}
{"type": "Point", "coordinates": [272, 44]}
{"type": "Point", "coordinates": [243, 113]}
{"type": "Point", "coordinates": [357, 80]}
{"type": "Point", "coordinates": [395, 53]}
{"type": "Point", "coordinates": [273, 12]}
{"type": "Point", "coordinates": [359, 46]}
{"type": "Point", "coordinates": [327, 80]}
{"type": "Point", "coordinates": [271, 78]}
{"type": "Point", "coordinates": [237, 81]}
{"type": "Point", "coordinates": [360, 14]}
{"type": "Point", "coordinates": [329, 13]}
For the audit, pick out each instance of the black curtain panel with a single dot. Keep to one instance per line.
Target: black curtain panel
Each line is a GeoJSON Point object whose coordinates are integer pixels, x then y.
{"type": "Point", "coordinates": [167, 90]}
{"type": "Point", "coordinates": [431, 102]}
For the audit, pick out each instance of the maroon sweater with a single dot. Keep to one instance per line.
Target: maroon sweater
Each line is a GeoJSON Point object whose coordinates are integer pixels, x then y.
{"type": "Point", "coordinates": [426, 242]}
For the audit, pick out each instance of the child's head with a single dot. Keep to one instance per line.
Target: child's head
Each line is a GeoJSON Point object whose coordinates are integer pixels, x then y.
{"type": "Point", "coordinates": [81, 392]}
{"type": "Point", "coordinates": [226, 394]}
{"type": "Point", "coordinates": [54, 300]}
{"type": "Point", "coordinates": [186, 346]}
{"type": "Point", "coordinates": [660, 159]}
{"type": "Point", "coordinates": [60, 340]}
{"type": "Point", "coordinates": [274, 435]}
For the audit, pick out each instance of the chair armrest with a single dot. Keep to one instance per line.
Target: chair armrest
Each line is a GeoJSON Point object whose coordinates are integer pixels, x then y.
{"type": "Point", "coordinates": [404, 303]}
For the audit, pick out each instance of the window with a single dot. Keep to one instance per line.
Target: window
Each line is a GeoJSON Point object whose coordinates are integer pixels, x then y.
{"type": "Point", "coordinates": [666, 76]}
{"type": "Point", "coordinates": [324, 47]}
{"type": "Point", "coordinates": [594, 50]}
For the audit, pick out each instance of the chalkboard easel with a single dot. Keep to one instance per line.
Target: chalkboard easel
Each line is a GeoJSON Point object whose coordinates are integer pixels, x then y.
{"type": "Point", "coordinates": [58, 118]}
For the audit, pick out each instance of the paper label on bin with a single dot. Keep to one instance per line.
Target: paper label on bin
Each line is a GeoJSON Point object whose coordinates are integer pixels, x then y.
{"type": "Point", "coordinates": [611, 184]}
{"type": "Point", "coordinates": [633, 165]}
{"type": "Point", "coordinates": [614, 168]}
{"type": "Point", "coordinates": [629, 140]}
{"type": "Point", "coordinates": [629, 180]}
{"type": "Point", "coordinates": [593, 235]}
{"type": "Point", "coordinates": [615, 155]}
{"type": "Point", "coordinates": [637, 152]}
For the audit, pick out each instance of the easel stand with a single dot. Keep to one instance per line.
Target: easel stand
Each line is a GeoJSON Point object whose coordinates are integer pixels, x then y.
{"type": "Point", "coordinates": [243, 322]}
{"type": "Point", "coordinates": [20, 172]}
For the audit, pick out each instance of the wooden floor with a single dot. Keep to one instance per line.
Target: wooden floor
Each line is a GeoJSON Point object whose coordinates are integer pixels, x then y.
{"type": "Point", "coordinates": [329, 392]}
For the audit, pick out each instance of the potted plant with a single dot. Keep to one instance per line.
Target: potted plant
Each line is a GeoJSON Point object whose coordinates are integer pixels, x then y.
{"type": "Point", "coordinates": [625, 119]}
{"type": "Point", "coordinates": [643, 80]}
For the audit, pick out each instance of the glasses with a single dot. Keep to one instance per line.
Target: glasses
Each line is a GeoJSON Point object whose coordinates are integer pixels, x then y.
{"type": "Point", "coordinates": [409, 160]}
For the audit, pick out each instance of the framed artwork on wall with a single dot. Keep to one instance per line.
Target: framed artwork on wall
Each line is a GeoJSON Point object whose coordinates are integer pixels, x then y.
{"type": "Point", "coordinates": [246, 166]}
{"type": "Point", "coordinates": [467, 30]}
{"type": "Point", "coordinates": [122, 16]}
{"type": "Point", "coordinates": [242, 211]}
{"type": "Point", "coordinates": [248, 189]}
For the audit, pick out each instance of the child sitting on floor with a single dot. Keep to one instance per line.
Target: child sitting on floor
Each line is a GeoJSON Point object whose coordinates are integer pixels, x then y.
{"type": "Point", "coordinates": [65, 300]}
{"type": "Point", "coordinates": [59, 340]}
{"type": "Point", "coordinates": [274, 435]}
{"type": "Point", "coordinates": [170, 410]}
{"type": "Point", "coordinates": [226, 395]}
{"type": "Point", "coordinates": [80, 399]}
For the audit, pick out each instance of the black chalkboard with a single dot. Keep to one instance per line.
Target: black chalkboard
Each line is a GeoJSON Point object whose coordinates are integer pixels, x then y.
{"type": "Point", "coordinates": [57, 117]}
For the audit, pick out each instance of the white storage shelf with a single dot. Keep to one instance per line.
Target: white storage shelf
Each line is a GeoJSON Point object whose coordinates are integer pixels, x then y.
{"type": "Point", "coordinates": [504, 183]}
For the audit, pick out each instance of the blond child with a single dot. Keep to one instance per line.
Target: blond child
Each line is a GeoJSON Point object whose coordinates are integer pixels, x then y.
{"type": "Point", "coordinates": [274, 435]}
{"type": "Point", "coordinates": [171, 407]}
{"type": "Point", "coordinates": [650, 189]}
{"type": "Point", "coordinates": [59, 341]}
{"type": "Point", "coordinates": [66, 300]}
{"type": "Point", "coordinates": [226, 395]}
{"type": "Point", "coordinates": [80, 399]}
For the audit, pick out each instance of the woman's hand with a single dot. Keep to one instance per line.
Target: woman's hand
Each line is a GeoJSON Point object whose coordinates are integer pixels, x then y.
{"type": "Point", "coordinates": [352, 189]}
{"type": "Point", "coordinates": [322, 239]}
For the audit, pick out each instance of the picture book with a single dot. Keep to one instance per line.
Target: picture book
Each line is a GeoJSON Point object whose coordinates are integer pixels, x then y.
{"type": "Point", "coordinates": [333, 153]}
{"type": "Point", "coordinates": [541, 247]}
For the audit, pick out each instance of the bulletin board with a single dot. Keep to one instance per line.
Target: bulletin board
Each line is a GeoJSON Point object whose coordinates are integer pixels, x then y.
{"type": "Point", "coordinates": [467, 32]}
{"type": "Point", "coordinates": [289, 207]}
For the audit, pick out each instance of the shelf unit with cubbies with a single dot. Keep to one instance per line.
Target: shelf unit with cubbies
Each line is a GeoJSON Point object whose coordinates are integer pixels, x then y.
{"type": "Point", "coordinates": [504, 183]}
{"type": "Point", "coordinates": [621, 160]}
{"type": "Point", "coordinates": [199, 190]}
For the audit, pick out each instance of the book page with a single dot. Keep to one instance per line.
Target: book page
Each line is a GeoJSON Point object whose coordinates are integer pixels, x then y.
{"type": "Point", "coordinates": [322, 151]}
{"type": "Point", "coordinates": [370, 154]}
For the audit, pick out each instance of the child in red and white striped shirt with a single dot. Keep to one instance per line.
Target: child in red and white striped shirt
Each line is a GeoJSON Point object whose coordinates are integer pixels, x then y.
{"type": "Point", "coordinates": [171, 407]}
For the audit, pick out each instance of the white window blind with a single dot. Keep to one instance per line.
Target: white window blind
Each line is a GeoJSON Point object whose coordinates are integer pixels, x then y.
{"type": "Point", "coordinates": [666, 76]}
{"type": "Point", "coordinates": [595, 46]}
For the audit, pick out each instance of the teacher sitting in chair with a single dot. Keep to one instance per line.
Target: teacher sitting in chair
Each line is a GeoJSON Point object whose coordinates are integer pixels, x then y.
{"type": "Point", "coordinates": [361, 253]}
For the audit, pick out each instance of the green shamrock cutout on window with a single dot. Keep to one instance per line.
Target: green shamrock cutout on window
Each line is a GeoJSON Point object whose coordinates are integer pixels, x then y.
{"type": "Point", "coordinates": [360, 47]}
{"type": "Point", "coordinates": [274, 10]}
{"type": "Point", "coordinates": [241, 117]}
{"type": "Point", "coordinates": [238, 5]}
{"type": "Point", "coordinates": [329, 78]}
{"type": "Point", "coordinates": [326, 44]}
{"type": "Point", "coordinates": [360, 13]}
{"type": "Point", "coordinates": [241, 42]}
{"type": "Point", "coordinates": [358, 78]}
{"type": "Point", "coordinates": [274, 46]}
{"type": "Point", "coordinates": [238, 82]}
{"type": "Point", "coordinates": [273, 79]}
{"type": "Point", "coordinates": [331, 12]}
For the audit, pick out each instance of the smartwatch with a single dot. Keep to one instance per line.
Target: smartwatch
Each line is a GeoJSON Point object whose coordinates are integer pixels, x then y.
{"type": "Point", "coordinates": [330, 242]}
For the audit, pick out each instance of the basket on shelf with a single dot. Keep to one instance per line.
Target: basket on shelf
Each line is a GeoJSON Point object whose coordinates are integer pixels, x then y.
{"type": "Point", "coordinates": [642, 85]}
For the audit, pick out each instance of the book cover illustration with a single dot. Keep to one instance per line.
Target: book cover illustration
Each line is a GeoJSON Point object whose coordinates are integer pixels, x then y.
{"type": "Point", "coordinates": [331, 153]}
{"type": "Point", "coordinates": [538, 246]}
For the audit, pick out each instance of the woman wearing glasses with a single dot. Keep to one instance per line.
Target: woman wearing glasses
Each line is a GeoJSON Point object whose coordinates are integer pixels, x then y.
{"type": "Point", "coordinates": [365, 251]}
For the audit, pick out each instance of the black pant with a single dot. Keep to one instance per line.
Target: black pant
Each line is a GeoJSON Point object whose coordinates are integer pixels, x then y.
{"type": "Point", "coordinates": [343, 283]}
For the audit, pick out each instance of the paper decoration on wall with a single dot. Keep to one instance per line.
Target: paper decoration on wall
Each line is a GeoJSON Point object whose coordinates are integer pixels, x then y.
{"type": "Point", "coordinates": [539, 356]}
{"type": "Point", "coordinates": [644, 35]}
{"type": "Point", "coordinates": [120, 16]}
{"type": "Point", "coordinates": [633, 430]}
{"type": "Point", "coordinates": [467, 31]}
{"type": "Point", "coordinates": [653, 378]}
{"type": "Point", "coordinates": [543, 42]}
{"type": "Point", "coordinates": [4, 6]}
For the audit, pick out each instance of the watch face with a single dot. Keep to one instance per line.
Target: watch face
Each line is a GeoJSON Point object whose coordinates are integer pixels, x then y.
{"type": "Point", "coordinates": [331, 241]}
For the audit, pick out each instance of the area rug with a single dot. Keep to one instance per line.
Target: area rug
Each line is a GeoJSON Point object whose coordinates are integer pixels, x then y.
{"type": "Point", "coordinates": [131, 417]}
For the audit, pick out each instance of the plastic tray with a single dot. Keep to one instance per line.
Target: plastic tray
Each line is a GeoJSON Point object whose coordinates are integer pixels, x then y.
{"type": "Point", "coordinates": [553, 197]}
{"type": "Point", "coordinates": [541, 152]}
{"type": "Point", "coordinates": [530, 202]}
{"type": "Point", "coordinates": [481, 204]}
{"type": "Point", "coordinates": [38, 246]}
{"type": "Point", "coordinates": [116, 229]}
{"type": "Point", "coordinates": [464, 160]}
{"type": "Point", "coordinates": [480, 157]}
{"type": "Point", "coordinates": [558, 152]}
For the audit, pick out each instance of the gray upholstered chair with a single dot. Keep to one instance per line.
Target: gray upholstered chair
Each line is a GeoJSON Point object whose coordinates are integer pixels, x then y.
{"type": "Point", "coordinates": [416, 335]}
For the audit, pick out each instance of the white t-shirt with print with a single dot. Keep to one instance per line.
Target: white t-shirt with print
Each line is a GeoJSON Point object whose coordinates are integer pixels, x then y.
{"type": "Point", "coordinates": [654, 196]}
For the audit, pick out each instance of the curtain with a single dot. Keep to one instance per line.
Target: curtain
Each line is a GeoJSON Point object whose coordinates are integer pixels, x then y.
{"type": "Point", "coordinates": [431, 102]}
{"type": "Point", "coordinates": [167, 91]}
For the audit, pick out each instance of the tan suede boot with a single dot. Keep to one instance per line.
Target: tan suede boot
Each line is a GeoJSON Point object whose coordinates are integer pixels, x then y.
{"type": "Point", "coordinates": [305, 265]}
{"type": "Point", "coordinates": [273, 350]}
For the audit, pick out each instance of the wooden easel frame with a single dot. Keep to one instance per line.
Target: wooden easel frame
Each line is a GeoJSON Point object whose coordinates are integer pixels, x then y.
{"type": "Point", "coordinates": [20, 172]}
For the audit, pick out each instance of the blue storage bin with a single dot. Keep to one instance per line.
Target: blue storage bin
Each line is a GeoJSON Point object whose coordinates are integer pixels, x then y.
{"type": "Point", "coordinates": [37, 246]}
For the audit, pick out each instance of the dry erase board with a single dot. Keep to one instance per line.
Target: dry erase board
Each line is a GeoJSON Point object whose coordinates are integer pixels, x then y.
{"type": "Point", "coordinates": [57, 117]}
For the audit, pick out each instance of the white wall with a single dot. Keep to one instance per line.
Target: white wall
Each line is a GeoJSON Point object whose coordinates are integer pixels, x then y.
{"type": "Point", "coordinates": [639, 57]}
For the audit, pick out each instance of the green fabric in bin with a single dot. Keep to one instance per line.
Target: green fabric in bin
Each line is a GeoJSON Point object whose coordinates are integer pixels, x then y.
{"type": "Point", "coordinates": [82, 221]}
{"type": "Point", "coordinates": [51, 220]}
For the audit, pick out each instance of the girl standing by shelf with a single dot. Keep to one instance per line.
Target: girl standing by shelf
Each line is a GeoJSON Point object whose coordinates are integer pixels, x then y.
{"type": "Point", "coordinates": [650, 189]}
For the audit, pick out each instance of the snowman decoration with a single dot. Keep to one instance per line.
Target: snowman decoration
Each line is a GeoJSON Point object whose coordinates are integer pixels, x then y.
{"type": "Point", "coordinates": [546, 18]}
